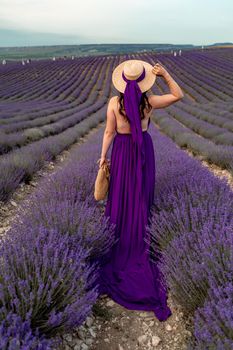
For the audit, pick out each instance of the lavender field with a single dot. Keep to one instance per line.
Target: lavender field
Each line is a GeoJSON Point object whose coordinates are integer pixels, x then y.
{"type": "Point", "coordinates": [50, 257]}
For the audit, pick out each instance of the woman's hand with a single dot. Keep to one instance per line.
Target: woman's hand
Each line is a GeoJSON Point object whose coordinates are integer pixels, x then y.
{"type": "Point", "coordinates": [159, 69]}
{"type": "Point", "coordinates": [101, 161]}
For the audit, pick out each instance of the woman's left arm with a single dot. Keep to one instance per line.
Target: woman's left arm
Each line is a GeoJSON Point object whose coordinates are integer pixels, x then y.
{"type": "Point", "coordinates": [110, 129]}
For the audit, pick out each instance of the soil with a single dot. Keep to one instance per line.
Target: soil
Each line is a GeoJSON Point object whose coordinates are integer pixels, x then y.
{"type": "Point", "coordinates": [122, 329]}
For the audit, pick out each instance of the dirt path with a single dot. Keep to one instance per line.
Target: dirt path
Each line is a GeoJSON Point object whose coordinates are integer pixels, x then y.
{"type": "Point", "coordinates": [113, 327]}
{"type": "Point", "coordinates": [130, 329]}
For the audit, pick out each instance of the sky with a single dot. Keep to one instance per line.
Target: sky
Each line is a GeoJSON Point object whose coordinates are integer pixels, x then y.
{"type": "Point", "coordinates": [60, 22]}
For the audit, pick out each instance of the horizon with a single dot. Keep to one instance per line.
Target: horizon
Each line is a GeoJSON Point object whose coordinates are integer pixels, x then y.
{"type": "Point", "coordinates": [90, 44]}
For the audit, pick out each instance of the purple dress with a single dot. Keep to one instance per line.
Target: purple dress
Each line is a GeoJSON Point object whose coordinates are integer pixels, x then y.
{"type": "Point", "coordinates": [128, 275]}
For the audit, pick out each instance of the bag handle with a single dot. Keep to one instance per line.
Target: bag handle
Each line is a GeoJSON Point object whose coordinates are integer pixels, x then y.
{"type": "Point", "coordinates": [105, 166]}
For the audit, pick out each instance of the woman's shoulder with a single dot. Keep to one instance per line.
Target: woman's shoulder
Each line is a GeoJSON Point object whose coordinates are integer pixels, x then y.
{"type": "Point", "coordinates": [149, 96]}
{"type": "Point", "coordinates": [114, 100]}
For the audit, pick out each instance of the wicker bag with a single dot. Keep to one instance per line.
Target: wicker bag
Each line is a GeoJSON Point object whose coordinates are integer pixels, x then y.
{"type": "Point", "coordinates": [102, 181]}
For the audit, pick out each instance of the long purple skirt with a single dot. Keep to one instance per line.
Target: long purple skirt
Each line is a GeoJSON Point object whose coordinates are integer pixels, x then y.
{"type": "Point", "coordinates": [129, 276]}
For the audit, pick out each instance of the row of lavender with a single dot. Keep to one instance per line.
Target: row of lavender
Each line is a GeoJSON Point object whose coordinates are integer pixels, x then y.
{"type": "Point", "coordinates": [67, 92]}
{"type": "Point", "coordinates": [185, 137]}
{"type": "Point", "coordinates": [203, 117]}
{"type": "Point", "coordinates": [29, 125]}
{"type": "Point", "coordinates": [221, 134]}
{"type": "Point", "coordinates": [218, 129]}
{"type": "Point", "coordinates": [20, 164]}
{"type": "Point", "coordinates": [183, 65]}
{"type": "Point", "coordinates": [44, 79]}
{"type": "Point", "coordinates": [49, 258]}
{"type": "Point", "coordinates": [204, 77]}
{"type": "Point", "coordinates": [190, 235]}
{"type": "Point", "coordinates": [206, 125]}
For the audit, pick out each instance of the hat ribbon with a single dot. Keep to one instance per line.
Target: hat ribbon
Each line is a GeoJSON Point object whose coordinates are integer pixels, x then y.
{"type": "Point", "coordinates": [132, 98]}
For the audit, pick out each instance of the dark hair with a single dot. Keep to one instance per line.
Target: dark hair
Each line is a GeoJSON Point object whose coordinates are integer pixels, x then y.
{"type": "Point", "coordinates": [143, 103]}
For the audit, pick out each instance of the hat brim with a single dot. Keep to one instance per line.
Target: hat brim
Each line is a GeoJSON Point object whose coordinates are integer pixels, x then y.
{"type": "Point", "coordinates": [144, 85]}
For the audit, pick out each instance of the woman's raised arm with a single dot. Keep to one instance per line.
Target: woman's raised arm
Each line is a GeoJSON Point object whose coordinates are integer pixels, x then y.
{"type": "Point", "coordinates": [176, 94]}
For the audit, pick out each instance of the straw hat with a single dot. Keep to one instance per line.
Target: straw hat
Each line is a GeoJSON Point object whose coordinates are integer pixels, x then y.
{"type": "Point", "coordinates": [132, 70]}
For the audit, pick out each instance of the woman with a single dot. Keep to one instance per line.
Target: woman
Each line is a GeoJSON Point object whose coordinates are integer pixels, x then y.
{"type": "Point", "coordinates": [128, 275]}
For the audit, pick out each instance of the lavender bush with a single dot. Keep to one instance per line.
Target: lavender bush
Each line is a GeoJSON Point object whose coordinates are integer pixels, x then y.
{"type": "Point", "coordinates": [51, 254]}
{"type": "Point", "coordinates": [16, 334]}
{"type": "Point", "coordinates": [214, 321]}
{"type": "Point", "coordinates": [190, 234]}
{"type": "Point", "coordinates": [45, 280]}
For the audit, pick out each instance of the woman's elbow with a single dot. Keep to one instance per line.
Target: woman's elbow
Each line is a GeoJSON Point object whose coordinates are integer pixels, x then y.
{"type": "Point", "coordinates": [180, 96]}
{"type": "Point", "coordinates": [109, 133]}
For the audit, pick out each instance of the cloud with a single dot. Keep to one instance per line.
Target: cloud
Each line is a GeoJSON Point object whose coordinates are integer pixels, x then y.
{"type": "Point", "coordinates": [11, 37]}
{"type": "Point", "coordinates": [123, 21]}
{"type": "Point", "coordinates": [62, 16]}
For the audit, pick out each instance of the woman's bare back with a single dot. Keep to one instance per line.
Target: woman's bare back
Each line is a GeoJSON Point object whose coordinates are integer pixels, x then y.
{"type": "Point", "coordinates": [123, 125]}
